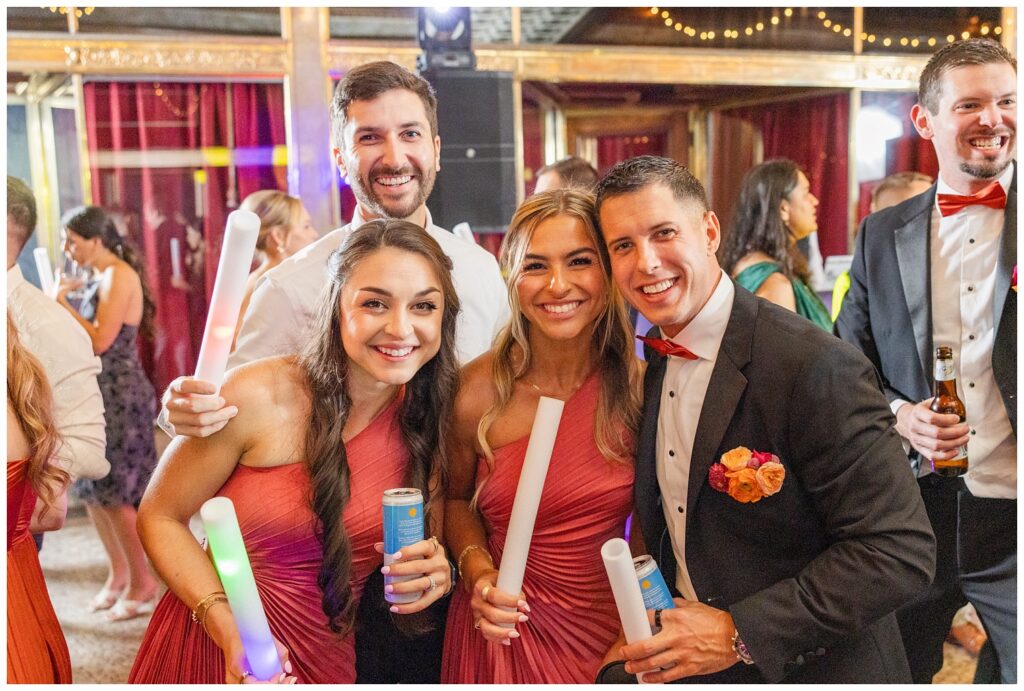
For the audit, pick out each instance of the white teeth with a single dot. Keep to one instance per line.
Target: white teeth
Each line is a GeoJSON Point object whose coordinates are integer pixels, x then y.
{"type": "Point", "coordinates": [987, 142]}
{"type": "Point", "coordinates": [658, 287]}
{"type": "Point", "coordinates": [394, 181]}
{"type": "Point", "coordinates": [563, 308]}
{"type": "Point", "coordinates": [399, 352]}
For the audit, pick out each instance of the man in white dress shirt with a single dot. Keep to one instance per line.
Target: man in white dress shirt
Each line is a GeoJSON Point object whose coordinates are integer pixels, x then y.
{"type": "Point", "coordinates": [940, 269]}
{"type": "Point", "coordinates": [61, 345]}
{"type": "Point", "coordinates": [384, 125]}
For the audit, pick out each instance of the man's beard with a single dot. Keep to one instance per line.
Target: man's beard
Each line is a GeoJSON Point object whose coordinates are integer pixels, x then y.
{"type": "Point", "coordinates": [986, 170]}
{"type": "Point", "coordinates": [365, 194]}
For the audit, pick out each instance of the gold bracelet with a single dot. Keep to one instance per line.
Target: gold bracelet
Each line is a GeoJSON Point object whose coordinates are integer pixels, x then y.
{"type": "Point", "coordinates": [466, 551]}
{"type": "Point", "coordinates": [216, 601]}
{"type": "Point", "coordinates": [199, 612]}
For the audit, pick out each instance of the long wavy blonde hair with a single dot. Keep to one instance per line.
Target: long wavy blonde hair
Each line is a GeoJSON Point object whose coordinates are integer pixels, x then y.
{"type": "Point", "coordinates": [618, 412]}
{"type": "Point", "coordinates": [29, 395]}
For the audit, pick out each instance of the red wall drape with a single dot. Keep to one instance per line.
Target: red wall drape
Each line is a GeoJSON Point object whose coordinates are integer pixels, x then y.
{"type": "Point", "coordinates": [150, 153]}
{"type": "Point", "coordinates": [613, 149]}
{"type": "Point", "coordinates": [814, 132]}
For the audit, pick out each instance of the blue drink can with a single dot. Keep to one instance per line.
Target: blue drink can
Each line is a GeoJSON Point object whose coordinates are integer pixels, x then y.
{"type": "Point", "coordinates": [403, 526]}
{"type": "Point", "coordinates": [652, 583]}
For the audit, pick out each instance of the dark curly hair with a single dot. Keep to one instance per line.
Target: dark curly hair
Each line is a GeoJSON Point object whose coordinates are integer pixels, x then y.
{"type": "Point", "coordinates": [425, 412]}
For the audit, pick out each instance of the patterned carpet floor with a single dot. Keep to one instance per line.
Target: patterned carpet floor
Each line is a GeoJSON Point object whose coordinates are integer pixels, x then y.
{"type": "Point", "coordinates": [102, 652]}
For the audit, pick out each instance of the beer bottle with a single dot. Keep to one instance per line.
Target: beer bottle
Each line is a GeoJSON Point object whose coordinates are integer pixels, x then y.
{"type": "Point", "coordinates": [946, 401]}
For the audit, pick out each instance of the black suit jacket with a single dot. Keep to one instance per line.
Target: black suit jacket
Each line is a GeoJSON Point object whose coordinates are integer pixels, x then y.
{"type": "Point", "coordinates": [811, 575]}
{"type": "Point", "coordinates": [888, 311]}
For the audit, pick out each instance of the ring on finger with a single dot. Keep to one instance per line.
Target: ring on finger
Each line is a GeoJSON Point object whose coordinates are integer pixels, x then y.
{"type": "Point", "coordinates": [245, 674]}
{"type": "Point", "coordinates": [433, 583]}
{"type": "Point", "coordinates": [437, 545]}
{"type": "Point", "coordinates": [476, 624]}
{"type": "Point", "coordinates": [483, 593]}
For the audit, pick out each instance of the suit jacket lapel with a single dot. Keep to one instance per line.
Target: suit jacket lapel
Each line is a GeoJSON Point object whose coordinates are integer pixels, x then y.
{"type": "Point", "coordinates": [645, 484]}
{"type": "Point", "coordinates": [1007, 254]}
{"type": "Point", "coordinates": [725, 389]}
{"type": "Point", "coordinates": [912, 244]}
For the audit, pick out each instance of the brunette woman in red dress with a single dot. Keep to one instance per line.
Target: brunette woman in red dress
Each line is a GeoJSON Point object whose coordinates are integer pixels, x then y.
{"type": "Point", "coordinates": [317, 440]}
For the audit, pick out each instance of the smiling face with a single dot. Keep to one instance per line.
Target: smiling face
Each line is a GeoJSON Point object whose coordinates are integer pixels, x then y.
{"type": "Point", "coordinates": [561, 287]}
{"type": "Point", "coordinates": [662, 253]}
{"type": "Point", "coordinates": [391, 312]}
{"type": "Point", "coordinates": [975, 126]}
{"type": "Point", "coordinates": [388, 155]}
{"type": "Point", "coordinates": [799, 209]}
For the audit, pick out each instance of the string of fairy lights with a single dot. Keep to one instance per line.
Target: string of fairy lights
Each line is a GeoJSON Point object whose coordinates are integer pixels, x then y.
{"type": "Point", "coordinates": [827, 23]}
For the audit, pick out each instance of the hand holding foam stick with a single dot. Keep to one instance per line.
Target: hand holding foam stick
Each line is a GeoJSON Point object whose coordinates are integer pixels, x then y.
{"type": "Point", "coordinates": [232, 564]}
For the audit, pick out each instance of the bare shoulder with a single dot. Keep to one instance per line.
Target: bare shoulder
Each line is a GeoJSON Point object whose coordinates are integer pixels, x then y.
{"type": "Point", "coordinates": [748, 260]}
{"type": "Point", "coordinates": [263, 385]}
{"type": "Point", "coordinates": [476, 390]}
{"type": "Point", "coordinates": [778, 289]}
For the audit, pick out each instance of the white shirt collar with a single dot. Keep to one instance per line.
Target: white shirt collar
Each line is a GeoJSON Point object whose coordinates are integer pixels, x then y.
{"type": "Point", "coordinates": [14, 279]}
{"type": "Point", "coordinates": [703, 335]}
{"type": "Point", "coordinates": [1005, 180]}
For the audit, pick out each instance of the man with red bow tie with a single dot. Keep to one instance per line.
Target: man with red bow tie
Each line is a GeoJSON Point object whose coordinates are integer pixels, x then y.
{"type": "Point", "coordinates": [938, 270]}
{"type": "Point", "coordinates": [769, 484]}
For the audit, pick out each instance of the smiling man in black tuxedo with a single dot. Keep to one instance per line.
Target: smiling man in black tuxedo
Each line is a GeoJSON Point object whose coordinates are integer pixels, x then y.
{"type": "Point", "coordinates": [940, 269]}
{"type": "Point", "coordinates": [769, 485]}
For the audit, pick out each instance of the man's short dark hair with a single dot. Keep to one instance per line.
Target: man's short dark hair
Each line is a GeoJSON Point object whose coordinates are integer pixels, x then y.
{"type": "Point", "coordinates": [973, 51]}
{"type": "Point", "coordinates": [367, 82]}
{"type": "Point", "coordinates": [574, 172]}
{"type": "Point", "coordinates": [21, 208]}
{"type": "Point", "coordinates": [637, 173]}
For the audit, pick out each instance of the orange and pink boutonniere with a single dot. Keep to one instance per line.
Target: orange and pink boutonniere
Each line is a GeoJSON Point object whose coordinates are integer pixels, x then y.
{"type": "Point", "coordinates": [747, 475]}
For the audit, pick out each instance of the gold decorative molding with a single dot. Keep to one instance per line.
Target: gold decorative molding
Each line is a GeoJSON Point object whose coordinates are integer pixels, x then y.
{"type": "Point", "coordinates": [613, 64]}
{"type": "Point", "coordinates": [268, 57]}
{"type": "Point", "coordinates": [222, 56]}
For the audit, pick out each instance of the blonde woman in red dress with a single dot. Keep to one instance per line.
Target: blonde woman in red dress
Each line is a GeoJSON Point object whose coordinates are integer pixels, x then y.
{"type": "Point", "coordinates": [37, 501]}
{"type": "Point", "coordinates": [569, 339]}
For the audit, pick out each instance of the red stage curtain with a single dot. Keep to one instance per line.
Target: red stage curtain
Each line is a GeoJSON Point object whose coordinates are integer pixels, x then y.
{"type": "Point", "coordinates": [813, 132]}
{"type": "Point", "coordinates": [613, 149]}
{"type": "Point", "coordinates": [145, 142]}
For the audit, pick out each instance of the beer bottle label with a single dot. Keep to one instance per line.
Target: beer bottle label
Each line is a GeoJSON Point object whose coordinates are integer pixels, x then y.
{"type": "Point", "coordinates": [961, 453]}
{"type": "Point", "coordinates": [944, 370]}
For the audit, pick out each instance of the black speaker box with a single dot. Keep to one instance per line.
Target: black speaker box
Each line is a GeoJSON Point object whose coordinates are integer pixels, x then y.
{"type": "Point", "coordinates": [476, 120]}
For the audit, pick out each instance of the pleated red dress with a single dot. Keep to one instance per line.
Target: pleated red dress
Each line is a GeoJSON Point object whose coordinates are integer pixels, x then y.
{"type": "Point", "coordinates": [573, 621]}
{"type": "Point", "coordinates": [36, 650]}
{"type": "Point", "coordinates": [277, 526]}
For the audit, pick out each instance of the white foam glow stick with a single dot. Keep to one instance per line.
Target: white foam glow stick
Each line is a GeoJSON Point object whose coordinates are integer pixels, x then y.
{"type": "Point", "coordinates": [176, 257]}
{"type": "Point", "coordinates": [618, 562]}
{"type": "Point", "coordinates": [44, 269]}
{"type": "Point", "coordinates": [531, 484]}
{"type": "Point", "coordinates": [228, 290]}
{"type": "Point", "coordinates": [232, 564]}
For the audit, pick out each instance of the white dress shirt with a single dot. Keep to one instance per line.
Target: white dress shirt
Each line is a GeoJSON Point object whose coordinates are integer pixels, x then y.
{"type": "Point", "coordinates": [964, 254]}
{"type": "Point", "coordinates": [63, 347]}
{"type": "Point", "coordinates": [682, 399]}
{"type": "Point", "coordinates": [281, 311]}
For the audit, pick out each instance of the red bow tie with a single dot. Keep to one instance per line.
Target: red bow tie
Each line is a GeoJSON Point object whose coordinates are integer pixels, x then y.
{"type": "Point", "coordinates": [993, 196]}
{"type": "Point", "coordinates": [666, 347]}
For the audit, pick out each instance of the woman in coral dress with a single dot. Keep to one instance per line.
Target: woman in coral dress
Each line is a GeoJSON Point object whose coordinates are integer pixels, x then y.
{"type": "Point", "coordinates": [569, 339]}
{"type": "Point", "coordinates": [36, 650]}
{"type": "Point", "coordinates": [317, 440]}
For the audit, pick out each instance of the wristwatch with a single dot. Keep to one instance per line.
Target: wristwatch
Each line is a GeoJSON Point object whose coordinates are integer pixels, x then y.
{"type": "Point", "coordinates": [740, 648]}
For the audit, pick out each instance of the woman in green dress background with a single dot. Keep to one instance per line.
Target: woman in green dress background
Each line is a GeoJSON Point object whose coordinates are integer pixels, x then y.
{"type": "Point", "coordinates": [774, 211]}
